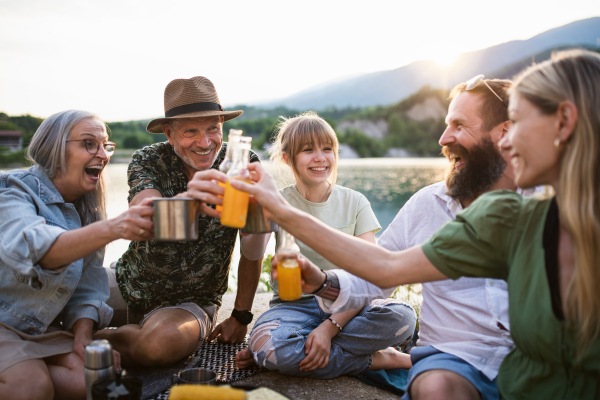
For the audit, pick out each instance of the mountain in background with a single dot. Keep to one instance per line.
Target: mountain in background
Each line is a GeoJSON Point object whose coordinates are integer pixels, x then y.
{"type": "Point", "coordinates": [388, 87]}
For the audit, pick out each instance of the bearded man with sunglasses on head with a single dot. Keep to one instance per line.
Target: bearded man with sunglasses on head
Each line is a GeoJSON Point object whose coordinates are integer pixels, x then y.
{"type": "Point", "coordinates": [464, 325]}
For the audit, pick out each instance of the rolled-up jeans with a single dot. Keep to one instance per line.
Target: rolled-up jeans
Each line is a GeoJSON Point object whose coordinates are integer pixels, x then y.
{"type": "Point", "coordinates": [381, 324]}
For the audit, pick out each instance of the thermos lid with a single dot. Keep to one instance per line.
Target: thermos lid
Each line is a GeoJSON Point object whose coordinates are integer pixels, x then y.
{"type": "Point", "coordinates": [98, 354]}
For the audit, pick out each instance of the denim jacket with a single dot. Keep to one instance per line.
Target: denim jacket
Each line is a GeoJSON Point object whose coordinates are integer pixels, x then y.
{"type": "Point", "coordinates": [32, 215]}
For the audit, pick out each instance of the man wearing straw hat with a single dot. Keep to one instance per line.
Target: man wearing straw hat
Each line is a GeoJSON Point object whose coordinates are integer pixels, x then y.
{"type": "Point", "coordinates": [171, 291]}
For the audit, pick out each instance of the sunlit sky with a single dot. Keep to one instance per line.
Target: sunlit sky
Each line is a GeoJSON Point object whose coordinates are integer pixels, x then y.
{"type": "Point", "coordinates": [114, 57]}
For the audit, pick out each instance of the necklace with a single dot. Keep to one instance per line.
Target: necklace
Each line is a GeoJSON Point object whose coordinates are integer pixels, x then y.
{"type": "Point", "coordinates": [327, 191]}
{"type": "Point", "coordinates": [320, 201]}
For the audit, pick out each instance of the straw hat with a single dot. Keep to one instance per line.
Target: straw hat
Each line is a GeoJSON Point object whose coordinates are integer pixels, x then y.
{"type": "Point", "coordinates": [190, 98]}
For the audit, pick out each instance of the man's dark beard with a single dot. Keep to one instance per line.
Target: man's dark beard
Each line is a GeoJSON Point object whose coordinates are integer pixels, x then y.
{"type": "Point", "coordinates": [483, 168]}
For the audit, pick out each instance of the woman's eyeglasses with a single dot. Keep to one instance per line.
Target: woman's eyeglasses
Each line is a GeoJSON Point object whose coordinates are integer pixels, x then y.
{"type": "Point", "coordinates": [93, 146]}
{"type": "Point", "coordinates": [473, 82]}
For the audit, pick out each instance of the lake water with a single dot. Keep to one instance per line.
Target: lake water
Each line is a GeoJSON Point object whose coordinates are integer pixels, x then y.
{"type": "Point", "coordinates": [387, 182]}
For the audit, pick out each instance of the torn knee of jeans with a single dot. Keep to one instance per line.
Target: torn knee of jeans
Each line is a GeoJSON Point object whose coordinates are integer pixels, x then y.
{"type": "Point", "coordinates": [402, 330]}
{"type": "Point", "coordinates": [261, 343]}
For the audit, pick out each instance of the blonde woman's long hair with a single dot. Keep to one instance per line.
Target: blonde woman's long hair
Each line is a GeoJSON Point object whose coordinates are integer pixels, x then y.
{"type": "Point", "coordinates": [575, 76]}
{"type": "Point", "coordinates": [294, 133]}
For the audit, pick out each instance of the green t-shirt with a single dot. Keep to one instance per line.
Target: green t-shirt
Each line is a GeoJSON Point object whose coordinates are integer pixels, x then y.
{"type": "Point", "coordinates": [346, 210]}
{"type": "Point", "coordinates": [155, 273]}
{"type": "Point", "coordinates": [500, 236]}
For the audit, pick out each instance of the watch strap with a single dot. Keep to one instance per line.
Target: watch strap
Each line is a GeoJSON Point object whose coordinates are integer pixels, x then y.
{"type": "Point", "coordinates": [330, 289]}
{"type": "Point", "coordinates": [239, 316]}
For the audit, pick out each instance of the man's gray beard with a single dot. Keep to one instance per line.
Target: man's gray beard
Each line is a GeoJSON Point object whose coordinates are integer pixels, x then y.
{"type": "Point", "coordinates": [484, 166]}
{"type": "Point", "coordinates": [189, 162]}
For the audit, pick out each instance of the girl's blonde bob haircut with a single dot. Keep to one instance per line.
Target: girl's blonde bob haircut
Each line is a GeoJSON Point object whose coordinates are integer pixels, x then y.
{"type": "Point", "coordinates": [294, 133]}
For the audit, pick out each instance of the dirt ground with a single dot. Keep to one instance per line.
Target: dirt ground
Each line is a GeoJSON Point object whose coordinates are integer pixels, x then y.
{"type": "Point", "coordinates": [341, 388]}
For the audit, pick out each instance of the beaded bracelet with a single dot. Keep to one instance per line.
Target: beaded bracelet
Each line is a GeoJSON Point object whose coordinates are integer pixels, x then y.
{"type": "Point", "coordinates": [335, 323]}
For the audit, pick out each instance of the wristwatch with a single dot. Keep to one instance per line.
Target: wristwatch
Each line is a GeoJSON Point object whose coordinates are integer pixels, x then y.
{"type": "Point", "coordinates": [244, 317]}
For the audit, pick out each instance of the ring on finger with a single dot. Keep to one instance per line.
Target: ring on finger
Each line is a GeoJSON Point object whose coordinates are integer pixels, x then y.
{"type": "Point", "coordinates": [141, 232]}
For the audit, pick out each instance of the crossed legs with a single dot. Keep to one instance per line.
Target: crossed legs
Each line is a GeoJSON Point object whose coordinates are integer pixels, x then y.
{"type": "Point", "coordinates": [278, 338]}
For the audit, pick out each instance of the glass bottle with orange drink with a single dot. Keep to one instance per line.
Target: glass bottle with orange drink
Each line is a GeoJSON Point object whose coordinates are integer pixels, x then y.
{"type": "Point", "coordinates": [232, 141]}
{"type": "Point", "coordinates": [235, 202]}
{"type": "Point", "coordinates": [288, 270]}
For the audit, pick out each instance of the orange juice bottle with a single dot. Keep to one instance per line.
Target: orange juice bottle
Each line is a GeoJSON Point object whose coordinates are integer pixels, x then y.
{"type": "Point", "coordinates": [232, 141]}
{"type": "Point", "coordinates": [235, 206]}
{"type": "Point", "coordinates": [290, 280]}
{"type": "Point", "coordinates": [235, 202]}
{"type": "Point", "coordinates": [288, 271]}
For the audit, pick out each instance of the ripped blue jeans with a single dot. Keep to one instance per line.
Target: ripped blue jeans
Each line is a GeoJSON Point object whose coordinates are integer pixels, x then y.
{"type": "Point", "coordinates": [278, 337]}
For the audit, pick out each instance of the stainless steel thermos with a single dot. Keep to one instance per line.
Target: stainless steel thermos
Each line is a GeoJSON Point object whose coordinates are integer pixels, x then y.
{"type": "Point", "coordinates": [98, 364]}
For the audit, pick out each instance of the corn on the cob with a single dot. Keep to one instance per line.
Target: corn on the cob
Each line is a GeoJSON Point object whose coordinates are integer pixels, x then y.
{"type": "Point", "coordinates": [203, 392]}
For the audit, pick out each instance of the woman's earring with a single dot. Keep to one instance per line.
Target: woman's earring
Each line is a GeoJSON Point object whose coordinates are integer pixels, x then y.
{"type": "Point", "coordinates": [557, 142]}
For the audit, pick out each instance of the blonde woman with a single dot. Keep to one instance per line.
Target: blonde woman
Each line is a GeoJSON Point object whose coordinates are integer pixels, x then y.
{"type": "Point", "coordinates": [300, 337]}
{"type": "Point", "coordinates": [547, 250]}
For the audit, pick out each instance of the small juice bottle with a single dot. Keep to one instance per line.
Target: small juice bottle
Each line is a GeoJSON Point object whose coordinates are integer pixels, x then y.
{"type": "Point", "coordinates": [232, 142]}
{"type": "Point", "coordinates": [288, 271]}
{"type": "Point", "coordinates": [235, 202]}
{"type": "Point", "coordinates": [290, 280]}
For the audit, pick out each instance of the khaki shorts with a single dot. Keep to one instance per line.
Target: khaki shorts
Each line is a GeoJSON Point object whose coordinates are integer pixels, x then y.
{"type": "Point", "coordinates": [205, 315]}
{"type": "Point", "coordinates": [16, 346]}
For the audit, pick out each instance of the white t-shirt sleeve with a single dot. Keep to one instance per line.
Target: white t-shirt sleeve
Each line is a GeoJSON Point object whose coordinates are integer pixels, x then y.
{"type": "Point", "coordinates": [354, 293]}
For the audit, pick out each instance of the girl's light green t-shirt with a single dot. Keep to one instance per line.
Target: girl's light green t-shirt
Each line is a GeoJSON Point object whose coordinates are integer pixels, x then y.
{"type": "Point", "coordinates": [346, 210]}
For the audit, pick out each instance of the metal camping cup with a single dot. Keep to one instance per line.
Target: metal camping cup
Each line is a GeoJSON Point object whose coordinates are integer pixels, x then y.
{"type": "Point", "coordinates": [256, 221]}
{"type": "Point", "coordinates": [195, 376]}
{"type": "Point", "coordinates": [175, 219]}
{"type": "Point", "coordinates": [98, 364]}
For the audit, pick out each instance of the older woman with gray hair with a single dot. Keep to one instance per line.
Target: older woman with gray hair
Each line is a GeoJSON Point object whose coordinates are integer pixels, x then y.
{"type": "Point", "coordinates": [53, 232]}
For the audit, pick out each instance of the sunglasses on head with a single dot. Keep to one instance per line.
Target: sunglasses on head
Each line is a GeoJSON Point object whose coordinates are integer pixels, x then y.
{"type": "Point", "coordinates": [473, 82]}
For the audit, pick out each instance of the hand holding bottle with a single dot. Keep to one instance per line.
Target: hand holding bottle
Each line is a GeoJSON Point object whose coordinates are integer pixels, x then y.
{"type": "Point", "coordinates": [204, 186]}
{"type": "Point", "coordinates": [312, 276]}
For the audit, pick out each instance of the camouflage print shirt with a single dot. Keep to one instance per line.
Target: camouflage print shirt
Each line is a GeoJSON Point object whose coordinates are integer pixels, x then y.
{"type": "Point", "coordinates": [154, 273]}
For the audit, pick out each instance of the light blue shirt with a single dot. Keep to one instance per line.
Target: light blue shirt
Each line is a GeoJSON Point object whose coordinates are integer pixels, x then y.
{"type": "Point", "coordinates": [32, 215]}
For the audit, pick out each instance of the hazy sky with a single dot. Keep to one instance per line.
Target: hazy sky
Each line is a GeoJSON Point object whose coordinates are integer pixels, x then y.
{"type": "Point", "coordinates": [114, 57]}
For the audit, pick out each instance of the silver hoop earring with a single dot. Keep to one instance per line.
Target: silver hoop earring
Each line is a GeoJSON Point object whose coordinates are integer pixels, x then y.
{"type": "Point", "coordinates": [557, 142]}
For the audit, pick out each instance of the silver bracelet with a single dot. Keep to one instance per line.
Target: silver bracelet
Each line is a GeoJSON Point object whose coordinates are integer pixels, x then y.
{"type": "Point", "coordinates": [335, 323]}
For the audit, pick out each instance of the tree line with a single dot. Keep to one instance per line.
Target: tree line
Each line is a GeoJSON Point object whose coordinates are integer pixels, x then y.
{"type": "Point", "coordinates": [417, 137]}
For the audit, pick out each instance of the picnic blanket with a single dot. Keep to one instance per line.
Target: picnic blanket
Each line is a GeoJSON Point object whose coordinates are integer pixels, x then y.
{"type": "Point", "coordinates": [219, 357]}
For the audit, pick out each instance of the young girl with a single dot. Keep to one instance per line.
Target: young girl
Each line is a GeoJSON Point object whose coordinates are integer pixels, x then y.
{"type": "Point", "coordinates": [299, 337]}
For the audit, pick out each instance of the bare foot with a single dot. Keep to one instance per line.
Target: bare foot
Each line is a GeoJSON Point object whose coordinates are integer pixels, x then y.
{"type": "Point", "coordinates": [390, 358]}
{"type": "Point", "coordinates": [244, 359]}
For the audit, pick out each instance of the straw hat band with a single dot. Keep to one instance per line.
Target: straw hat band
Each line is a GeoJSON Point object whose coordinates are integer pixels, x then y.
{"type": "Point", "coordinates": [194, 107]}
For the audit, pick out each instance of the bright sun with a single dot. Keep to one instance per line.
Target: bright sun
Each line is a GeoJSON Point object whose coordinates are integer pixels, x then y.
{"type": "Point", "coordinates": [445, 58]}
